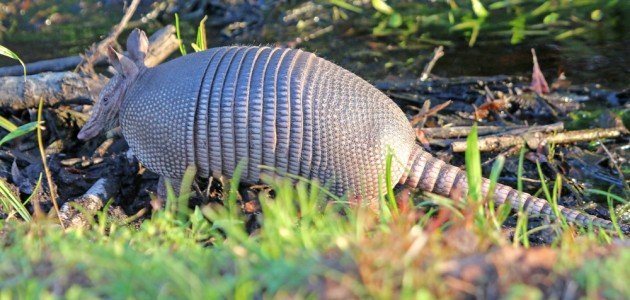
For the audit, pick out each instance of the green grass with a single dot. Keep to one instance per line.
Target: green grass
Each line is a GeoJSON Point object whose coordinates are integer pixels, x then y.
{"type": "Point", "coordinates": [411, 22]}
{"type": "Point", "coordinates": [8, 198]}
{"type": "Point", "coordinates": [4, 51]}
{"type": "Point", "coordinates": [306, 246]}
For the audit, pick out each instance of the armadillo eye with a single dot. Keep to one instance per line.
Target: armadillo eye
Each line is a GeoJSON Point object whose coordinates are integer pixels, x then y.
{"type": "Point", "coordinates": [105, 99]}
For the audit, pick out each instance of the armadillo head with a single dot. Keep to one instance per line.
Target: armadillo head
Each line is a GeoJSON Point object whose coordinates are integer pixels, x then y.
{"type": "Point", "coordinates": [105, 111]}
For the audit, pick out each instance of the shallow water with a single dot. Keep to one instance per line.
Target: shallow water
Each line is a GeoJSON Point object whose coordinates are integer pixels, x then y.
{"type": "Point", "coordinates": [602, 58]}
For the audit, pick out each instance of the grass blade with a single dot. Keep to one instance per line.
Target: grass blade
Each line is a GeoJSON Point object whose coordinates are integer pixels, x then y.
{"type": "Point", "coordinates": [42, 152]}
{"type": "Point", "coordinates": [12, 202]}
{"type": "Point", "coordinates": [6, 124]}
{"type": "Point", "coordinates": [347, 6]}
{"type": "Point", "coordinates": [494, 177]}
{"type": "Point", "coordinates": [388, 182]}
{"type": "Point", "coordinates": [201, 43]}
{"type": "Point", "coordinates": [182, 48]}
{"type": "Point", "coordinates": [473, 165]}
{"type": "Point", "coordinates": [521, 232]}
{"type": "Point", "coordinates": [382, 6]}
{"type": "Point", "coordinates": [18, 132]}
{"type": "Point", "coordinates": [4, 51]}
{"type": "Point", "coordinates": [607, 194]}
{"type": "Point", "coordinates": [182, 211]}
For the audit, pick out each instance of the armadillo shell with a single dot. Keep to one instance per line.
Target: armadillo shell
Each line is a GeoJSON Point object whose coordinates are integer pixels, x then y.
{"type": "Point", "coordinates": [285, 109]}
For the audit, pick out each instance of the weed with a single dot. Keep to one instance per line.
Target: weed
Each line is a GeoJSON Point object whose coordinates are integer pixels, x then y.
{"type": "Point", "coordinates": [4, 51]}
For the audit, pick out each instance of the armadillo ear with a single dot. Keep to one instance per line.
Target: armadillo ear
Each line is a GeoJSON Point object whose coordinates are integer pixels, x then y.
{"type": "Point", "coordinates": [137, 46]}
{"type": "Point", "coordinates": [129, 68]}
{"type": "Point", "coordinates": [114, 59]}
{"type": "Point", "coordinates": [122, 64]}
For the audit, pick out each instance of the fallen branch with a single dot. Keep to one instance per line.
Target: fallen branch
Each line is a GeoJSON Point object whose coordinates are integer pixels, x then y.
{"type": "Point", "coordinates": [534, 139]}
{"type": "Point", "coordinates": [78, 212]}
{"type": "Point", "coordinates": [440, 136]}
{"type": "Point", "coordinates": [57, 88]}
{"type": "Point", "coordinates": [459, 131]}
{"type": "Point", "coordinates": [555, 127]}
{"type": "Point", "coordinates": [161, 45]}
{"type": "Point", "coordinates": [54, 88]}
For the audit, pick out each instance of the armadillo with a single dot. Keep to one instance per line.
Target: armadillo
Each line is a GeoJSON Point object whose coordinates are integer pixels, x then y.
{"type": "Point", "coordinates": [286, 109]}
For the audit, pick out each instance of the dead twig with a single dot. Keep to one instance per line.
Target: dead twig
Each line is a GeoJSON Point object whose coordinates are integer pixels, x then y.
{"type": "Point", "coordinates": [437, 54]}
{"type": "Point", "coordinates": [99, 50]}
{"type": "Point", "coordinates": [555, 127]}
{"type": "Point", "coordinates": [424, 113]}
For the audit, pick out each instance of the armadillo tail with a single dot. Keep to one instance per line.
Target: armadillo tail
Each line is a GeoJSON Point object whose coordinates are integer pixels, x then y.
{"type": "Point", "coordinates": [428, 173]}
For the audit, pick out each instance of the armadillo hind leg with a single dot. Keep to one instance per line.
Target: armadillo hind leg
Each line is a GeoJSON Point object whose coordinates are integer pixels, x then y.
{"type": "Point", "coordinates": [428, 173]}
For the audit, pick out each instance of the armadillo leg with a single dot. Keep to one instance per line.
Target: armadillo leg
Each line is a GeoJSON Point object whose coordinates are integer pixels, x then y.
{"type": "Point", "coordinates": [428, 173]}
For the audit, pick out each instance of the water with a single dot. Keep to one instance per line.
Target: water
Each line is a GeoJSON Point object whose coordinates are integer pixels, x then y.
{"type": "Point", "coordinates": [602, 58]}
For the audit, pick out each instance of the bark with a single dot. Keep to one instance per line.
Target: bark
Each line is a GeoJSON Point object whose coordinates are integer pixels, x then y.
{"type": "Point", "coordinates": [78, 212]}
{"type": "Point", "coordinates": [53, 87]}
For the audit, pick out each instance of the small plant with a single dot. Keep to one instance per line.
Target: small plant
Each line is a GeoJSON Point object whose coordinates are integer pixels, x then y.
{"type": "Point", "coordinates": [428, 21]}
{"type": "Point", "coordinates": [200, 43]}
{"type": "Point", "coordinates": [42, 152]}
{"type": "Point", "coordinates": [487, 218]}
{"type": "Point", "coordinates": [182, 48]}
{"type": "Point", "coordinates": [12, 202]}
{"type": "Point", "coordinates": [14, 131]}
{"type": "Point", "coordinates": [521, 233]}
{"type": "Point", "coordinates": [4, 51]}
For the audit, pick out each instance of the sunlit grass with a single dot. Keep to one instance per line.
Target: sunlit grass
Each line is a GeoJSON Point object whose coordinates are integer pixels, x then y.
{"type": "Point", "coordinates": [4, 51]}
{"type": "Point", "coordinates": [303, 246]}
{"type": "Point", "coordinates": [12, 202]}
